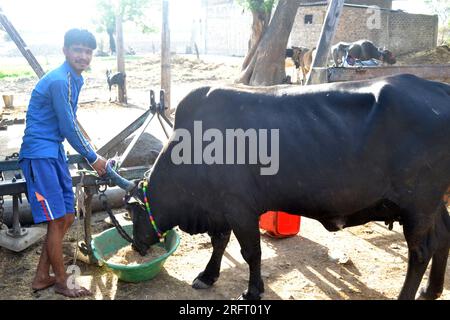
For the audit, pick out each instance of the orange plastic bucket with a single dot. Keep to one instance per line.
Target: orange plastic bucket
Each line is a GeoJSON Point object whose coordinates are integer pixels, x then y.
{"type": "Point", "coordinates": [280, 224]}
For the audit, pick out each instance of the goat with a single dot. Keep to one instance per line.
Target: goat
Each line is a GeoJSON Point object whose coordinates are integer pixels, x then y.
{"type": "Point", "coordinates": [117, 79]}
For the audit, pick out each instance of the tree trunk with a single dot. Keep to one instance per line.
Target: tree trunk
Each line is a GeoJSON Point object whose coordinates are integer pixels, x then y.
{"type": "Point", "coordinates": [112, 41]}
{"type": "Point", "coordinates": [266, 66]}
{"type": "Point", "coordinates": [122, 90]}
{"type": "Point", "coordinates": [259, 26]}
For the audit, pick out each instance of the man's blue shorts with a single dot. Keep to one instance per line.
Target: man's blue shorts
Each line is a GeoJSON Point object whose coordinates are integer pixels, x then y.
{"type": "Point", "coordinates": [49, 188]}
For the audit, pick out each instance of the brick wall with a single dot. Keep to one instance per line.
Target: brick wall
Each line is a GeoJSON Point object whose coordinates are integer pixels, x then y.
{"type": "Point", "coordinates": [400, 32]}
{"type": "Point", "coordinates": [380, 3]}
{"type": "Point", "coordinates": [408, 33]}
{"type": "Point", "coordinates": [227, 28]}
{"type": "Point", "coordinates": [355, 24]}
{"type": "Point", "coordinates": [307, 35]}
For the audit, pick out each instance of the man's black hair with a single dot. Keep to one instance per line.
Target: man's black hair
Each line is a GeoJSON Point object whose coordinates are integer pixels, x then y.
{"type": "Point", "coordinates": [80, 36]}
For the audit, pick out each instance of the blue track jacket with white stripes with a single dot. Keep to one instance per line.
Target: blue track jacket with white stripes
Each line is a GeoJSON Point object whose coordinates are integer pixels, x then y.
{"type": "Point", "coordinates": [51, 117]}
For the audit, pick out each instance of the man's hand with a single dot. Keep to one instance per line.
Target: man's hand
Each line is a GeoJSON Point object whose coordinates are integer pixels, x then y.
{"type": "Point", "coordinates": [99, 165]}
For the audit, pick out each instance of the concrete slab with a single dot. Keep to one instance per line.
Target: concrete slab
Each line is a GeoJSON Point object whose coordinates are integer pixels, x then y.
{"type": "Point", "coordinates": [17, 244]}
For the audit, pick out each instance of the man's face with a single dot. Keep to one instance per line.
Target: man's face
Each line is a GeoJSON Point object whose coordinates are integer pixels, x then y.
{"type": "Point", "coordinates": [78, 56]}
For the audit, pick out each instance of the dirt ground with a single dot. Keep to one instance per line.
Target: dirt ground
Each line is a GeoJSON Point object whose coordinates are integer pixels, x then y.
{"type": "Point", "coordinates": [438, 55]}
{"type": "Point", "coordinates": [365, 262]}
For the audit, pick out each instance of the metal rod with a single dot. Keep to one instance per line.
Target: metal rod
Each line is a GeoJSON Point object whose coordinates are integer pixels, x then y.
{"type": "Point", "coordinates": [16, 223]}
{"type": "Point", "coordinates": [19, 186]}
{"type": "Point", "coordinates": [135, 139]}
{"type": "Point", "coordinates": [123, 134]}
{"type": "Point", "coordinates": [87, 218]}
{"type": "Point", "coordinates": [164, 128]}
{"type": "Point", "coordinates": [11, 165]}
{"type": "Point", "coordinates": [167, 120]}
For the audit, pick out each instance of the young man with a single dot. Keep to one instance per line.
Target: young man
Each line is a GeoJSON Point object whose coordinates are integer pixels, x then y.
{"type": "Point", "coordinates": [51, 119]}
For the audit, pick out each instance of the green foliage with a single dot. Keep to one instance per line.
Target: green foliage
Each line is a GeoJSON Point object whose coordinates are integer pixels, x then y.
{"type": "Point", "coordinates": [15, 74]}
{"type": "Point", "coordinates": [441, 8]}
{"type": "Point", "coordinates": [130, 10]}
{"type": "Point", "coordinates": [107, 17]}
{"type": "Point", "coordinates": [257, 5]}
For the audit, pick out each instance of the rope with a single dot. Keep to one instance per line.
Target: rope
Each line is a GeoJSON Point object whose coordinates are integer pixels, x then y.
{"type": "Point", "coordinates": [104, 199]}
{"type": "Point", "coordinates": [79, 193]}
{"type": "Point", "coordinates": [118, 227]}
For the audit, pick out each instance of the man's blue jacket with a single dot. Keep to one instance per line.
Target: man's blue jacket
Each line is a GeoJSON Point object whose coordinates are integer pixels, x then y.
{"type": "Point", "coordinates": [51, 117]}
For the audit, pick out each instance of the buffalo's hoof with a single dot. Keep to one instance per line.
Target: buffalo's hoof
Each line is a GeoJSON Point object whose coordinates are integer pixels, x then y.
{"type": "Point", "coordinates": [428, 295]}
{"type": "Point", "coordinates": [202, 282]}
{"type": "Point", "coordinates": [199, 284]}
{"type": "Point", "coordinates": [248, 296]}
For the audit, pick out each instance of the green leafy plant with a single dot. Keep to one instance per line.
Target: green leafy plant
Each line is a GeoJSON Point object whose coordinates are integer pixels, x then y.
{"type": "Point", "coordinates": [442, 9]}
{"type": "Point", "coordinates": [257, 5]}
{"type": "Point", "coordinates": [129, 10]}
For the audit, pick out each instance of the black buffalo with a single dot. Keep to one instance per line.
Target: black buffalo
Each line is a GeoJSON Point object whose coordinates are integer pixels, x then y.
{"type": "Point", "coordinates": [361, 50]}
{"type": "Point", "coordinates": [349, 153]}
{"type": "Point", "coordinates": [339, 52]}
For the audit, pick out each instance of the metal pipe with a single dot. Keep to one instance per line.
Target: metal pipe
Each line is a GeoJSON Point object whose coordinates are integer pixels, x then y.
{"type": "Point", "coordinates": [115, 200]}
{"type": "Point", "coordinates": [141, 130]}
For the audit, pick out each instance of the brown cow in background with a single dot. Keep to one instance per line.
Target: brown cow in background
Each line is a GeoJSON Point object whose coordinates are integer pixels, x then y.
{"type": "Point", "coordinates": [302, 58]}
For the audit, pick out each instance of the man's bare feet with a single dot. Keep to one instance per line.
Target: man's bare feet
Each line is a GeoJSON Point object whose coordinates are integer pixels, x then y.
{"type": "Point", "coordinates": [71, 293]}
{"type": "Point", "coordinates": [42, 283]}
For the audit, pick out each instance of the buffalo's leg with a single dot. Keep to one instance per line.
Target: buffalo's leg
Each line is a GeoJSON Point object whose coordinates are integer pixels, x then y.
{"type": "Point", "coordinates": [211, 273]}
{"type": "Point", "coordinates": [416, 270]}
{"type": "Point", "coordinates": [419, 237]}
{"type": "Point", "coordinates": [248, 235]}
{"type": "Point", "coordinates": [435, 284]}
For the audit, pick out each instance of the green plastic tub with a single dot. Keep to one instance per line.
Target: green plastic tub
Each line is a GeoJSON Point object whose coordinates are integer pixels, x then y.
{"type": "Point", "coordinates": [109, 241]}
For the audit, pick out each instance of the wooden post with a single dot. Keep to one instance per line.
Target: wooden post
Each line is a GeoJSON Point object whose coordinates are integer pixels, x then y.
{"type": "Point", "coordinates": [326, 37]}
{"type": "Point", "coordinates": [122, 92]}
{"type": "Point", "coordinates": [12, 32]}
{"type": "Point", "coordinates": [89, 193]}
{"type": "Point", "coordinates": [165, 55]}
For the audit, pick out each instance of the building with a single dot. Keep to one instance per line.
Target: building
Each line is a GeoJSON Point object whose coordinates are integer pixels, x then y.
{"type": "Point", "coordinates": [374, 20]}
{"type": "Point", "coordinates": [227, 26]}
